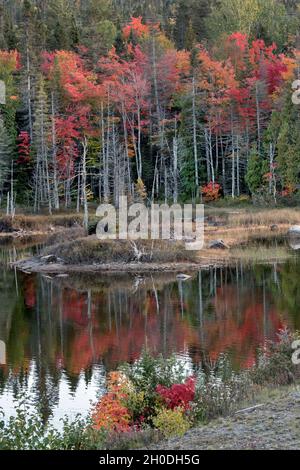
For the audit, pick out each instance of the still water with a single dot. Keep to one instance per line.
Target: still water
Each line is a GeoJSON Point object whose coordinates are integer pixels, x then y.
{"type": "Point", "coordinates": [63, 334]}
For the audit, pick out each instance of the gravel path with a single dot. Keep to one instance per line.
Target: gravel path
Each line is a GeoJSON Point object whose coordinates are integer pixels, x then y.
{"type": "Point", "coordinates": [275, 425]}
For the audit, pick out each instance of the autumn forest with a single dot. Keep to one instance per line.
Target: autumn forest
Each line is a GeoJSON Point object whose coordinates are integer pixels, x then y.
{"type": "Point", "coordinates": [160, 100]}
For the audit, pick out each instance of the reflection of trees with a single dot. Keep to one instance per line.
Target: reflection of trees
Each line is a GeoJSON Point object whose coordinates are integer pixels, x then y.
{"type": "Point", "coordinates": [288, 297]}
{"type": "Point", "coordinates": [8, 309]}
{"type": "Point", "coordinates": [56, 329]}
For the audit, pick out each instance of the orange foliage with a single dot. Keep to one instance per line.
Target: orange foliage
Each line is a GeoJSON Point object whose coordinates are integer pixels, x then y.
{"type": "Point", "coordinates": [136, 27]}
{"type": "Point", "coordinates": [211, 192]}
{"type": "Point", "coordinates": [9, 61]}
{"type": "Point", "coordinates": [110, 414]}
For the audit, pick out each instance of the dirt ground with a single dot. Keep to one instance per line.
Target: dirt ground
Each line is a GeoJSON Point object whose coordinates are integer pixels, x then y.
{"type": "Point", "coordinates": [274, 425]}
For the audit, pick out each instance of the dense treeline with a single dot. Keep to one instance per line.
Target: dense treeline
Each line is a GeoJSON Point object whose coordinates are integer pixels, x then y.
{"type": "Point", "coordinates": [168, 100]}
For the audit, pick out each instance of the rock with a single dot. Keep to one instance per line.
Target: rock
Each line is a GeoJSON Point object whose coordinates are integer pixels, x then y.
{"type": "Point", "coordinates": [49, 259]}
{"type": "Point", "coordinates": [274, 228]}
{"type": "Point", "coordinates": [295, 230]}
{"type": "Point", "coordinates": [45, 276]}
{"type": "Point", "coordinates": [294, 244]}
{"type": "Point", "coordinates": [218, 245]}
{"type": "Point", "coordinates": [183, 277]}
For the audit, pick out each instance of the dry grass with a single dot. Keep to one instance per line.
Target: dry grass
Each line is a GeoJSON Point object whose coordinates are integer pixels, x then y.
{"type": "Point", "coordinates": [243, 235]}
{"type": "Point", "coordinates": [264, 217]}
{"type": "Point", "coordinates": [90, 250]}
{"type": "Point", "coordinates": [261, 254]}
{"type": "Point", "coordinates": [39, 222]}
{"type": "Point", "coordinates": [65, 235]}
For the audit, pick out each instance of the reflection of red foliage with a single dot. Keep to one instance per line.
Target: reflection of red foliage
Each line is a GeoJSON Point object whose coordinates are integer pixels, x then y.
{"type": "Point", "coordinates": [74, 306]}
{"type": "Point", "coordinates": [239, 321]}
{"type": "Point", "coordinates": [29, 291]}
{"type": "Point", "coordinates": [121, 339]}
{"type": "Point", "coordinates": [240, 324]}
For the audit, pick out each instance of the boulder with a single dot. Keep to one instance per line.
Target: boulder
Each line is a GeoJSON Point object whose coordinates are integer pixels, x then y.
{"type": "Point", "coordinates": [183, 277]}
{"type": "Point", "coordinates": [49, 259]}
{"type": "Point", "coordinates": [294, 230]}
{"type": "Point", "coordinates": [218, 245]}
{"type": "Point", "coordinates": [294, 244]}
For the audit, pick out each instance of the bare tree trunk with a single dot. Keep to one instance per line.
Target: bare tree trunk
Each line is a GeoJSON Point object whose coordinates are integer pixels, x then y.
{"type": "Point", "coordinates": [195, 135]}
{"type": "Point", "coordinates": [78, 189]}
{"type": "Point", "coordinates": [29, 89]}
{"type": "Point", "coordinates": [223, 167]}
{"type": "Point", "coordinates": [258, 118]}
{"type": "Point", "coordinates": [166, 182]}
{"type": "Point", "coordinates": [175, 168]}
{"type": "Point", "coordinates": [237, 166]}
{"type": "Point", "coordinates": [54, 152]}
{"type": "Point", "coordinates": [83, 186]}
{"type": "Point", "coordinates": [126, 148]}
{"type": "Point", "coordinates": [207, 154]}
{"type": "Point", "coordinates": [272, 181]}
{"type": "Point", "coordinates": [106, 159]}
{"type": "Point", "coordinates": [140, 167]}
{"type": "Point", "coordinates": [233, 174]}
{"type": "Point", "coordinates": [233, 161]}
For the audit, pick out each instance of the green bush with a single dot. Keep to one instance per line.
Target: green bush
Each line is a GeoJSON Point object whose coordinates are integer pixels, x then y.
{"type": "Point", "coordinates": [26, 431]}
{"type": "Point", "coordinates": [274, 364]}
{"type": "Point", "coordinates": [149, 371]}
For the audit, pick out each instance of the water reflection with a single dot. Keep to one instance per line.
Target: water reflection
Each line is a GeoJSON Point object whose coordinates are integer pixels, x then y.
{"type": "Point", "coordinates": [63, 334]}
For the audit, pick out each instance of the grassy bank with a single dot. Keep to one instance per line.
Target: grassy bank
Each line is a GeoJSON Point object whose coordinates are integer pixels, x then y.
{"type": "Point", "coordinates": [89, 250]}
{"type": "Point", "coordinates": [39, 222]}
{"type": "Point", "coordinates": [156, 398]}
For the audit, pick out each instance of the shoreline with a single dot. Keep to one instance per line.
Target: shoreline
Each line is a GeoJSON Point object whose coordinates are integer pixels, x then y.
{"type": "Point", "coordinates": [268, 422]}
{"type": "Point", "coordinates": [249, 237]}
{"type": "Point", "coordinates": [33, 265]}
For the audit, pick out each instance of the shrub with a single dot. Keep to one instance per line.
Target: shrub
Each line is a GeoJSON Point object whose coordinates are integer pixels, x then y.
{"type": "Point", "coordinates": [136, 403]}
{"type": "Point", "coordinates": [274, 364]}
{"type": "Point", "coordinates": [110, 413]}
{"type": "Point", "coordinates": [211, 192]}
{"type": "Point", "coordinates": [178, 395]}
{"type": "Point", "coordinates": [171, 423]}
{"type": "Point", "coordinates": [218, 389]}
{"type": "Point", "coordinates": [148, 372]}
{"type": "Point", "coordinates": [27, 431]}
{"type": "Point", "coordinates": [6, 225]}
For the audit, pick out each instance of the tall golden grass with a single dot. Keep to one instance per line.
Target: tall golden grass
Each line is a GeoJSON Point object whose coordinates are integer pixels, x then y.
{"type": "Point", "coordinates": [265, 217]}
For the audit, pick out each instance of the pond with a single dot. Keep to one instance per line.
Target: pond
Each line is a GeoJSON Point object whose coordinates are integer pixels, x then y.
{"type": "Point", "coordinates": [63, 334]}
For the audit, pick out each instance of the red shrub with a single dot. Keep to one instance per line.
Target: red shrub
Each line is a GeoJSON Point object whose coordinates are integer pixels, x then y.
{"type": "Point", "coordinates": [179, 395]}
{"type": "Point", "coordinates": [211, 191]}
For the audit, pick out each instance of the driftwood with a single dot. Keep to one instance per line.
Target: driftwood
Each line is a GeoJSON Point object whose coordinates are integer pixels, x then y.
{"type": "Point", "coordinates": [249, 410]}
